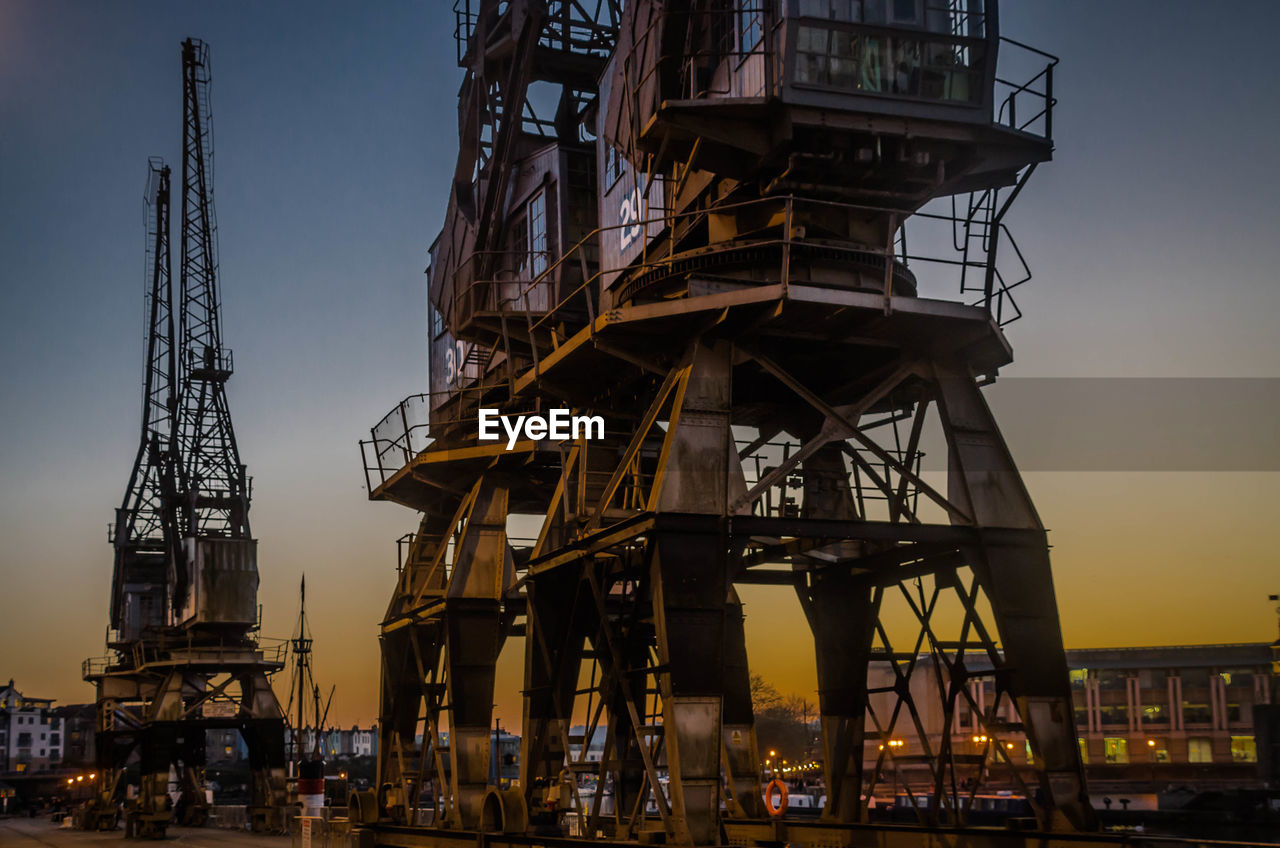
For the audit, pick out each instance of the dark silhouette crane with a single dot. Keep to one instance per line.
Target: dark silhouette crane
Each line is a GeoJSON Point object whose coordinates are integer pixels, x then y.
{"type": "Point", "coordinates": [186, 657]}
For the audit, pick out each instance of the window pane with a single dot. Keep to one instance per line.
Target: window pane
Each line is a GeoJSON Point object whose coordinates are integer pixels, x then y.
{"type": "Point", "coordinates": [1114, 713]}
{"type": "Point", "coordinates": [1193, 713]}
{"type": "Point", "coordinates": [1155, 714]}
{"type": "Point", "coordinates": [1116, 749]}
{"type": "Point", "coordinates": [1244, 749]}
{"type": "Point", "coordinates": [845, 10]}
{"type": "Point", "coordinates": [538, 234]}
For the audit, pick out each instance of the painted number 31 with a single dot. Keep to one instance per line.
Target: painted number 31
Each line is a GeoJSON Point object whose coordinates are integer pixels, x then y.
{"type": "Point", "coordinates": [454, 358]}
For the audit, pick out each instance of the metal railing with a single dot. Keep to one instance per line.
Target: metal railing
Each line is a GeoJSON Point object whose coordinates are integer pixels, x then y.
{"type": "Point", "coordinates": [405, 431]}
{"type": "Point", "coordinates": [868, 475]}
{"type": "Point", "coordinates": [956, 248]}
{"type": "Point", "coordinates": [1035, 95]}
{"type": "Point", "coordinates": [497, 280]}
{"type": "Point", "coordinates": [180, 649]}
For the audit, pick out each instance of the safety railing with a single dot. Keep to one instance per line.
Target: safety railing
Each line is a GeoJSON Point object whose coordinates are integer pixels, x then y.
{"type": "Point", "coordinates": [1027, 106]}
{"type": "Point", "coordinates": [96, 666]}
{"type": "Point", "coordinates": [870, 472]}
{"type": "Point", "coordinates": [737, 61]}
{"type": "Point", "coordinates": [405, 431]}
{"type": "Point", "coordinates": [210, 363]}
{"type": "Point", "coordinates": [500, 280]}
{"type": "Point", "coordinates": [186, 648]}
{"type": "Point", "coordinates": [942, 251]}
{"type": "Point", "coordinates": [954, 249]}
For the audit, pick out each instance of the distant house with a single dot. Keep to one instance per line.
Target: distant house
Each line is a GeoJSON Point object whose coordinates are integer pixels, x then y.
{"type": "Point", "coordinates": [335, 742]}
{"type": "Point", "coordinates": [31, 735]}
{"type": "Point", "coordinates": [79, 733]}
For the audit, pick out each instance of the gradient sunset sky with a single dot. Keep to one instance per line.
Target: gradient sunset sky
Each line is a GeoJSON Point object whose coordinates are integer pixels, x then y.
{"type": "Point", "coordinates": [1154, 236]}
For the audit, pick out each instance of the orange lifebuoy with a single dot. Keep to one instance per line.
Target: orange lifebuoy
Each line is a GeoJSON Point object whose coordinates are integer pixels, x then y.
{"type": "Point", "coordinates": [776, 790]}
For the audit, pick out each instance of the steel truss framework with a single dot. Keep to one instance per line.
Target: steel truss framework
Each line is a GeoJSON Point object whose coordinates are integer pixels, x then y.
{"type": "Point", "coordinates": [159, 703]}
{"type": "Point", "coordinates": [627, 599]}
{"type": "Point", "coordinates": [767, 365]}
{"type": "Point", "coordinates": [180, 667]}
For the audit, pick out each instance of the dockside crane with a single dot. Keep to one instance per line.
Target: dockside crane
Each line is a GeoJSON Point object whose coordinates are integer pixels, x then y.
{"type": "Point", "coordinates": [185, 657]}
{"type": "Point", "coordinates": [708, 245]}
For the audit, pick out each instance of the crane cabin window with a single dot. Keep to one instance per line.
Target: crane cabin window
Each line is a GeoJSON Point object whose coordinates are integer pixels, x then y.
{"type": "Point", "coordinates": [437, 322]}
{"type": "Point", "coordinates": [537, 218]}
{"type": "Point", "coordinates": [943, 61]}
{"type": "Point", "coordinates": [904, 12]}
{"type": "Point", "coordinates": [529, 234]}
{"type": "Point", "coordinates": [750, 24]}
{"type": "Point", "coordinates": [849, 11]}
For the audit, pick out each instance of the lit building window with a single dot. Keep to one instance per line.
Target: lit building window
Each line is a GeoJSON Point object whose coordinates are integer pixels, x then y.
{"type": "Point", "coordinates": [1115, 749]}
{"type": "Point", "coordinates": [1244, 749]}
{"type": "Point", "coordinates": [1084, 749]}
{"type": "Point", "coordinates": [1199, 749]}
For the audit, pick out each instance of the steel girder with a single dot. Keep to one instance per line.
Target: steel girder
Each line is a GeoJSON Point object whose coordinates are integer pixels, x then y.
{"type": "Point", "coordinates": [632, 580]}
{"type": "Point", "coordinates": [157, 712]}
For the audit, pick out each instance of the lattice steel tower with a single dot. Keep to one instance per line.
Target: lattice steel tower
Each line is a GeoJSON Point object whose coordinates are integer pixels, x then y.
{"type": "Point", "coordinates": [185, 653]}
{"type": "Point", "coordinates": [708, 245]}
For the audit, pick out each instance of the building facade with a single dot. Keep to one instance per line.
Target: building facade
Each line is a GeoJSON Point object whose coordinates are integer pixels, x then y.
{"type": "Point", "coordinates": [31, 735]}
{"type": "Point", "coordinates": [337, 742]}
{"type": "Point", "coordinates": [79, 733]}
{"type": "Point", "coordinates": [1185, 705]}
{"type": "Point", "coordinates": [1158, 716]}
